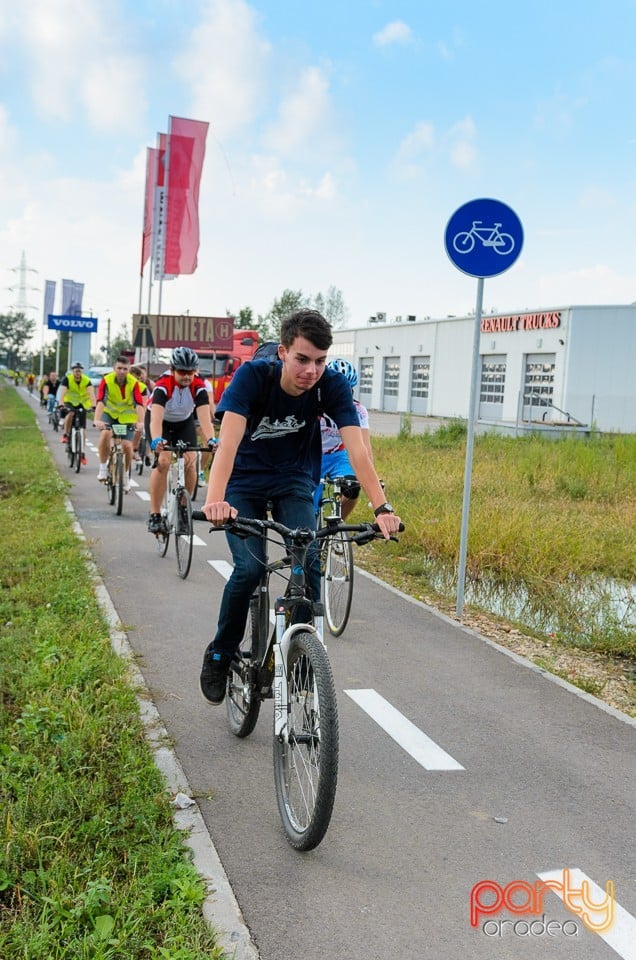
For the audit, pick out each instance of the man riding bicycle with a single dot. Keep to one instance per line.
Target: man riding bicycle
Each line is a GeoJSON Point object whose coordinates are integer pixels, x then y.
{"type": "Point", "coordinates": [119, 400]}
{"type": "Point", "coordinates": [49, 390]}
{"type": "Point", "coordinates": [269, 450]}
{"type": "Point", "coordinates": [175, 398]}
{"type": "Point", "coordinates": [76, 393]}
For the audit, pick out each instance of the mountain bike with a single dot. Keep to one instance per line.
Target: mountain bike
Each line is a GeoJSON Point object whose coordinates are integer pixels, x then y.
{"type": "Point", "coordinates": [289, 663]}
{"type": "Point", "coordinates": [55, 415]}
{"type": "Point", "coordinates": [116, 467]}
{"type": "Point", "coordinates": [176, 509]}
{"type": "Point", "coordinates": [75, 443]}
{"type": "Point", "coordinates": [336, 557]}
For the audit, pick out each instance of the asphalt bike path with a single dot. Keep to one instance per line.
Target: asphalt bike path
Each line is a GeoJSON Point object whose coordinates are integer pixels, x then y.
{"type": "Point", "coordinates": [459, 764]}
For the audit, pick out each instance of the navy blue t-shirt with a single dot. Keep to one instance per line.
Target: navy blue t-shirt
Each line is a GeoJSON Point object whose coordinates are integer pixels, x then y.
{"type": "Point", "coordinates": [285, 442]}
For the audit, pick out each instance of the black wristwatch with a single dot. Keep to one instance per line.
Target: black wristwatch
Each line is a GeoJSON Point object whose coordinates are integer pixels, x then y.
{"type": "Point", "coordinates": [383, 508]}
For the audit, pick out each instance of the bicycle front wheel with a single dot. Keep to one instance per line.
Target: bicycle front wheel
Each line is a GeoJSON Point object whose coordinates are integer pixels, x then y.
{"type": "Point", "coordinates": [77, 445]}
{"type": "Point", "coordinates": [306, 762]}
{"type": "Point", "coordinates": [338, 580]}
{"type": "Point", "coordinates": [241, 701]}
{"type": "Point", "coordinates": [70, 452]}
{"type": "Point", "coordinates": [118, 482]}
{"type": "Point", "coordinates": [183, 532]}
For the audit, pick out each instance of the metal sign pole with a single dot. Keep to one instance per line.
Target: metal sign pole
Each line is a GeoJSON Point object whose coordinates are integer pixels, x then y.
{"type": "Point", "coordinates": [470, 436]}
{"type": "Point", "coordinates": [479, 247]}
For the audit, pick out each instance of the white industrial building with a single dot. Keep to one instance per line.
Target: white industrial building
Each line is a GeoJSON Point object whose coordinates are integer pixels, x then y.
{"type": "Point", "coordinates": [562, 368]}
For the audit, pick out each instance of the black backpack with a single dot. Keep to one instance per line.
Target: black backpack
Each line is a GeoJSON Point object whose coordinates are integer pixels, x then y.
{"type": "Point", "coordinates": [267, 351]}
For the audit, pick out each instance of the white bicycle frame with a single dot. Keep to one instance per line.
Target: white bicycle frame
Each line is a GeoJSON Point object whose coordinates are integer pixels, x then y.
{"type": "Point", "coordinates": [171, 486]}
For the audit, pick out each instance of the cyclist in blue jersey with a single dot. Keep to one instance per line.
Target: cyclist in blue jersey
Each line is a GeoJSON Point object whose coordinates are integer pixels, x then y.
{"type": "Point", "coordinates": [269, 450]}
{"type": "Point", "coordinates": [335, 459]}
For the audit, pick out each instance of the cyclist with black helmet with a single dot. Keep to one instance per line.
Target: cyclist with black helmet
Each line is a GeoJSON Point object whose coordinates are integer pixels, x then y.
{"type": "Point", "coordinates": [335, 459]}
{"type": "Point", "coordinates": [176, 396]}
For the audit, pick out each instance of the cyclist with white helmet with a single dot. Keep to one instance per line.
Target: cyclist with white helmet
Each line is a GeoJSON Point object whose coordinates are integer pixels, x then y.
{"type": "Point", "coordinates": [335, 459]}
{"type": "Point", "coordinates": [76, 393]}
{"type": "Point", "coordinates": [176, 396]}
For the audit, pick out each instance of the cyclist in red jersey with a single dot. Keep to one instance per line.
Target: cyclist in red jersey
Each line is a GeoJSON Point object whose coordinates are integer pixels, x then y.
{"type": "Point", "coordinates": [171, 417]}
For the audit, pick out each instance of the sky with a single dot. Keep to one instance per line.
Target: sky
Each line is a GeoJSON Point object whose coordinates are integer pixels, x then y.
{"type": "Point", "coordinates": [343, 136]}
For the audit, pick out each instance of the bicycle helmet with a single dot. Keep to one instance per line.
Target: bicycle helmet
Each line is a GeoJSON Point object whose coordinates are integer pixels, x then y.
{"type": "Point", "coordinates": [77, 364]}
{"type": "Point", "coordinates": [184, 358]}
{"type": "Point", "coordinates": [347, 369]}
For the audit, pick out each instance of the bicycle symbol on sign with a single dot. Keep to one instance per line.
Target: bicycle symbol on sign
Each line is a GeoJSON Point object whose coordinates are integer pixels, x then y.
{"type": "Point", "coordinates": [502, 243]}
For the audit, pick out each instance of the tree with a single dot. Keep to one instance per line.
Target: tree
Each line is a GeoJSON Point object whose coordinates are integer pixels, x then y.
{"type": "Point", "coordinates": [335, 309]}
{"type": "Point", "coordinates": [120, 343]}
{"type": "Point", "coordinates": [15, 331]}
{"type": "Point", "coordinates": [331, 305]}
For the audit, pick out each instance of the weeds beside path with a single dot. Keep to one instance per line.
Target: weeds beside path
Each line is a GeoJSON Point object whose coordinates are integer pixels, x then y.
{"type": "Point", "coordinates": [548, 518]}
{"type": "Point", "coordinates": [92, 864]}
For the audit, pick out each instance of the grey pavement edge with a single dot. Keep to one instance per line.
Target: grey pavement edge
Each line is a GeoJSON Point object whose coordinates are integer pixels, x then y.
{"type": "Point", "coordinates": [220, 907]}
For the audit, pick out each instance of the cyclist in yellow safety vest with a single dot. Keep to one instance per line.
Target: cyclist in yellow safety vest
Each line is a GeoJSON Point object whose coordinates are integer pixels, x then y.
{"type": "Point", "coordinates": [76, 393]}
{"type": "Point", "coordinates": [119, 400]}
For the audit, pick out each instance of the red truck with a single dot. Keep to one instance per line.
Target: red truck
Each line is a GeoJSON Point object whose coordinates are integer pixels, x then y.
{"type": "Point", "coordinates": [219, 368]}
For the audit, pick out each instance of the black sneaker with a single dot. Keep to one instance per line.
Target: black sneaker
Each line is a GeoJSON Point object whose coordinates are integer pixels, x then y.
{"type": "Point", "coordinates": [214, 671]}
{"type": "Point", "coordinates": [155, 523]}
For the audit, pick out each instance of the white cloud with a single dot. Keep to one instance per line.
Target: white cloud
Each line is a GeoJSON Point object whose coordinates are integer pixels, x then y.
{"type": "Point", "coordinates": [225, 63]}
{"type": "Point", "coordinates": [463, 152]}
{"type": "Point", "coordinates": [594, 197]}
{"type": "Point", "coordinates": [395, 32]}
{"type": "Point", "coordinates": [75, 59]}
{"type": "Point", "coordinates": [413, 150]}
{"type": "Point", "coordinates": [8, 135]}
{"type": "Point", "coordinates": [278, 191]}
{"type": "Point", "coordinates": [595, 284]}
{"type": "Point", "coordinates": [304, 116]}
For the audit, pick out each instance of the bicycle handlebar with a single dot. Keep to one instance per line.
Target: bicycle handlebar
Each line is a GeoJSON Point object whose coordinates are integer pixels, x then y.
{"type": "Point", "coordinates": [251, 527]}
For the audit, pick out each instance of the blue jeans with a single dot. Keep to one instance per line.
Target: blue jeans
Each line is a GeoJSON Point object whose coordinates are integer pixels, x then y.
{"type": "Point", "coordinates": [292, 506]}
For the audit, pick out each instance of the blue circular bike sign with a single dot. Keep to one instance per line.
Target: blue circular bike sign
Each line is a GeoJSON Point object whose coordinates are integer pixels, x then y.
{"type": "Point", "coordinates": [484, 238]}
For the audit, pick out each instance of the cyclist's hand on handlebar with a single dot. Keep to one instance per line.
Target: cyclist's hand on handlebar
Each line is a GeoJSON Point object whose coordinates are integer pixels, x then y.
{"type": "Point", "coordinates": [219, 512]}
{"type": "Point", "coordinates": [138, 427]}
{"type": "Point", "coordinates": [100, 424]}
{"type": "Point", "coordinates": [389, 524]}
{"type": "Point", "coordinates": [157, 442]}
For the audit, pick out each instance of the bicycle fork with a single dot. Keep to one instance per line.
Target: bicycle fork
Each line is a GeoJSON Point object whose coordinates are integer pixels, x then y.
{"type": "Point", "coordinates": [284, 636]}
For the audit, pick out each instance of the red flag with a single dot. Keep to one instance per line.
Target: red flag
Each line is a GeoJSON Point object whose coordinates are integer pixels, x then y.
{"type": "Point", "coordinates": [152, 160]}
{"type": "Point", "coordinates": [186, 150]}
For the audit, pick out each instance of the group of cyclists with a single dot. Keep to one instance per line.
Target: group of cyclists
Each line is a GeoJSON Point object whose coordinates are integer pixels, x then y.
{"type": "Point", "coordinates": [178, 404]}
{"type": "Point", "coordinates": [284, 423]}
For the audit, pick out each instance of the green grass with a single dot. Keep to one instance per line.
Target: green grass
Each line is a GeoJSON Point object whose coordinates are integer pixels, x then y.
{"type": "Point", "coordinates": [92, 865]}
{"type": "Point", "coordinates": [551, 521]}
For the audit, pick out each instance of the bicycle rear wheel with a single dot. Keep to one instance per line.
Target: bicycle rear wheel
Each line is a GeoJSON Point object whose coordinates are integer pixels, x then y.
{"type": "Point", "coordinates": [306, 764]}
{"type": "Point", "coordinates": [183, 532]}
{"type": "Point", "coordinates": [241, 700]}
{"type": "Point", "coordinates": [141, 453]}
{"type": "Point", "coordinates": [118, 482]}
{"type": "Point", "coordinates": [162, 539]}
{"type": "Point", "coordinates": [338, 582]}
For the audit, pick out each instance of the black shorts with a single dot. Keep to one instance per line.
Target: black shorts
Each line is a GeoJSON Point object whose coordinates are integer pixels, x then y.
{"type": "Point", "coordinates": [171, 431]}
{"type": "Point", "coordinates": [82, 414]}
